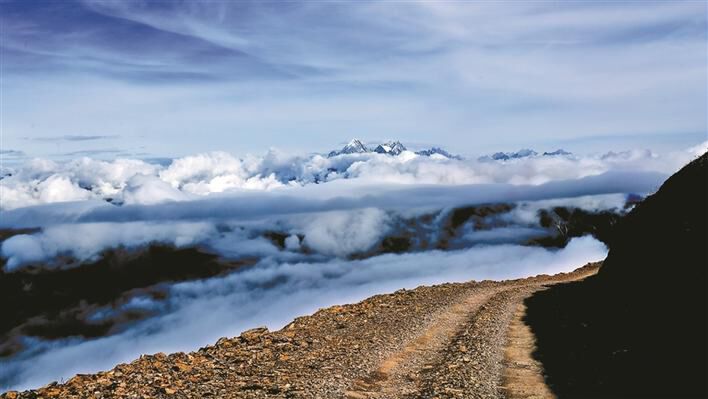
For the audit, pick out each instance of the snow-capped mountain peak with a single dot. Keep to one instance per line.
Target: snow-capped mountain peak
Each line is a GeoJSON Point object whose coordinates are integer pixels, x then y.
{"type": "Point", "coordinates": [390, 147]}
{"type": "Point", "coordinates": [355, 146]}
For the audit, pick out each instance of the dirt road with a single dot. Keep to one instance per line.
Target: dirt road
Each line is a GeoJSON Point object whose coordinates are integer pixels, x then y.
{"type": "Point", "coordinates": [445, 341]}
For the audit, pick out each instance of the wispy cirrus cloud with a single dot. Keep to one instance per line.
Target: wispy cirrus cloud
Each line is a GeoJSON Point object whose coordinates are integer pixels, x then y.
{"type": "Point", "coordinates": [74, 137]}
{"type": "Point", "coordinates": [10, 156]}
{"type": "Point", "coordinates": [11, 153]}
{"type": "Point", "coordinates": [92, 153]}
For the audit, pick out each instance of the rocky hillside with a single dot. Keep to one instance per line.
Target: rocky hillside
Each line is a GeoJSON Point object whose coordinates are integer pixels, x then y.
{"type": "Point", "coordinates": [638, 328]}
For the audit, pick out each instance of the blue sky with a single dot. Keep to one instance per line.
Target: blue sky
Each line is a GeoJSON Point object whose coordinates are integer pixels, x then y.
{"type": "Point", "coordinates": [154, 79]}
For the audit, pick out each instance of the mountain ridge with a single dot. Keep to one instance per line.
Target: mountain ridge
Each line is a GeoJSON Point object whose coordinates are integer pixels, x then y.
{"type": "Point", "coordinates": [391, 147]}
{"type": "Point", "coordinates": [523, 153]}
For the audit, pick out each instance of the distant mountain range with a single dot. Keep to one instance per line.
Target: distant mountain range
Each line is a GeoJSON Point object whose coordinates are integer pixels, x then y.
{"type": "Point", "coordinates": [355, 146]}
{"type": "Point", "coordinates": [523, 153]}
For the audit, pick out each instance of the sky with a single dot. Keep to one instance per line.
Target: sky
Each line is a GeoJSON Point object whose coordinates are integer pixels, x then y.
{"type": "Point", "coordinates": [142, 79]}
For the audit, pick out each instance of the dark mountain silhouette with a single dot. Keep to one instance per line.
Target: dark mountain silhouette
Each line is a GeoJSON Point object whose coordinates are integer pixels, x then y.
{"type": "Point", "coordinates": [638, 328]}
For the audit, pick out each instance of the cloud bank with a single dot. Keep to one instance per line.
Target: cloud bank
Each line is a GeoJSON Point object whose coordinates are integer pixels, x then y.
{"type": "Point", "coordinates": [86, 241]}
{"type": "Point", "coordinates": [337, 206]}
{"type": "Point", "coordinates": [132, 181]}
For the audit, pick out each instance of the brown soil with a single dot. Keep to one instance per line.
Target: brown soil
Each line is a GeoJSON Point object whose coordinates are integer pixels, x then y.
{"type": "Point", "coordinates": [444, 341]}
{"type": "Point", "coordinates": [523, 376]}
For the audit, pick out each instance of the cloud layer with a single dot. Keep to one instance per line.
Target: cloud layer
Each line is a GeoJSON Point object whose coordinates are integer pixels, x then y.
{"type": "Point", "coordinates": [337, 206]}
{"type": "Point", "coordinates": [132, 181]}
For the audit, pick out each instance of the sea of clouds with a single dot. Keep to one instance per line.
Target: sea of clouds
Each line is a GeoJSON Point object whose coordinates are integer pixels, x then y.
{"type": "Point", "coordinates": [330, 211]}
{"type": "Point", "coordinates": [349, 202]}
{"type": "Point", "coordinates": [133, 181]}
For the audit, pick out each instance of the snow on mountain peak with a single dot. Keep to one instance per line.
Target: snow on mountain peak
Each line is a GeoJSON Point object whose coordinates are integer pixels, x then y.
{"type": "Point", "coordinates": [355, 146]}
{"type": "Point", "coordinates": [392, 147]}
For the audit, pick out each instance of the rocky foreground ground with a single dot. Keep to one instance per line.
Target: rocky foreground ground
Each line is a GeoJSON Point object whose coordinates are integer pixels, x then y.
{"type": "Point", "coordinates": [445, 341]}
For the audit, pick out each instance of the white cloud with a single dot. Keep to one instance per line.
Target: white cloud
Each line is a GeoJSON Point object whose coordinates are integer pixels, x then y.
{"type": "Point", "coordinates": [292, 242]}
{"type": "Point", "coordinates": [144, 189]}
{"type": "Point", "coordinates": [59, 189]}
{"type": "Point", "coordinates": [526, 212]}
{"type": "Point", "coordinates": [85, 241]}
{"type": "Point", "coordinates": [22, 249]}
{"type": "Point", "coordinates": [341, 195]}
{"type": "Point", "coordinates": [699, 149]}
{"type": "Point", "coordinates": [342, 233]}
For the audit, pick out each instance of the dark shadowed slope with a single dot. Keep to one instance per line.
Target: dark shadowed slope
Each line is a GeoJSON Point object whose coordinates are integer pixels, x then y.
{"type": "Point", "coordinates": [62, 302]}
{"type": "Point", "coordinates": [638, 328]}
